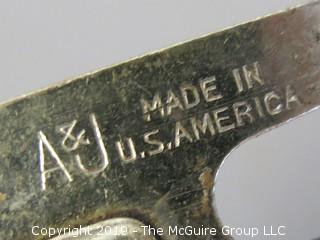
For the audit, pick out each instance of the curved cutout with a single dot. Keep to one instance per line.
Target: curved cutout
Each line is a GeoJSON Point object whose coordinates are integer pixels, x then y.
{"type": "Point", "coordinates": [274, 181]}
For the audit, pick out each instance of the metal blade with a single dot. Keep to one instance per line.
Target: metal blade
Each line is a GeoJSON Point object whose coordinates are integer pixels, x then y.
{"type": "Point", "coordinates": [144, 139]}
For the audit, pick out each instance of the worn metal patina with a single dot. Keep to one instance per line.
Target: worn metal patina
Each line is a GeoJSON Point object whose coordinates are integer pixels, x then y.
{"type": "Point", "coordinates": [144, 139]}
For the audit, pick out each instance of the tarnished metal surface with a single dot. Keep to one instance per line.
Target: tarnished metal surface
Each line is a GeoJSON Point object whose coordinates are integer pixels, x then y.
{"type": "Point", "coordinates": [112, 229]}
{"type": "Point", "coordinates": [144, 139]}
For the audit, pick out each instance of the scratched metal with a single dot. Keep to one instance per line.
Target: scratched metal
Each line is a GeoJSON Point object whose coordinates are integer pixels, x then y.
{"type": "Point", "coordinates": [144, 139]}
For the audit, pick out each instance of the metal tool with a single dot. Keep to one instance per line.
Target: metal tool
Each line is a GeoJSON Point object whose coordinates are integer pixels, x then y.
{"type": "Point", "coordinates": [137, 146]}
